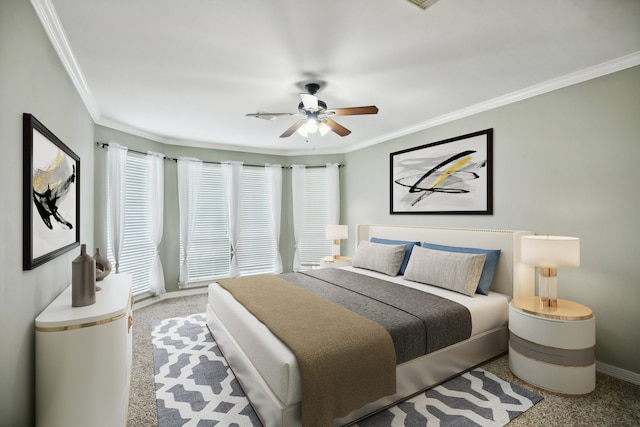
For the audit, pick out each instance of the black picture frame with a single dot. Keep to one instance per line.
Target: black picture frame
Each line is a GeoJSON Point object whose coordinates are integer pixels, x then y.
{"type": "Point", "coordinates": [51, 195]}
{"type": "Point", "coordinates": [453, 176]}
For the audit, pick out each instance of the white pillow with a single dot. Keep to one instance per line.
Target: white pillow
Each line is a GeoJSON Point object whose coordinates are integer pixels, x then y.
{"type": "Point", "coordinates": [457, 272]}
{"type": "Point", "coordinates": [379, 257]}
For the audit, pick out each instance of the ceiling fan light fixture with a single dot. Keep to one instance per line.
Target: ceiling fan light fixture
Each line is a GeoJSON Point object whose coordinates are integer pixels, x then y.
{"type": "Point", "coordinates": [302, 131]}
{"type": "Point", "coordinates": [311, 125]}
{"type": "Point", "coordinates": [323, 128]}
{"type": "Point", "coordinates": [315, 115]}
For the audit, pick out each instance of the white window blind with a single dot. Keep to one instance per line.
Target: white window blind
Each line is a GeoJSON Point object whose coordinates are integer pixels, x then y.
{"type": "Point", "coordinates": [256, 246]}
{"type": "Point", "coordinates": [313, 245]}
{"type": "Point", "coordinates": [138, 250]}
{"type": "Point", "coordinates": [210, 254]}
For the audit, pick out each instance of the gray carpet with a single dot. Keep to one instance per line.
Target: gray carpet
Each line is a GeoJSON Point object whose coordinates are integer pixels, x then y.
{"type": "Point", "coordinates": [613, 403]}
{"type": "Point", "coordinates": [195, 386]}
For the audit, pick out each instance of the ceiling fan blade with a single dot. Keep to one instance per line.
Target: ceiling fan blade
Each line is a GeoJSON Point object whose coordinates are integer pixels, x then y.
{"type": "Point", "coordinates": [293, 128]}
{"type": "Point", "coordinates": [353, 111]}
{"type": "Point", "coordinates": [309, 101]}
{"type": "Point", "coordinates": [269, 116]}
{"type": "Point", "coordinates": [336, 127]}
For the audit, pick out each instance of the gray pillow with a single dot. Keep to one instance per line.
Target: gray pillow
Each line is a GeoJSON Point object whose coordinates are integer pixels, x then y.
{"type": "Point", "coordinates": [379, 257]}
{"type": "Point", "coordinates": [457, 272]}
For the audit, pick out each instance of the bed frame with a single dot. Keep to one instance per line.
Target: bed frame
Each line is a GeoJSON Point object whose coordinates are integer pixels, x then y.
{"type": "Point", "coordinates": [511, 278]}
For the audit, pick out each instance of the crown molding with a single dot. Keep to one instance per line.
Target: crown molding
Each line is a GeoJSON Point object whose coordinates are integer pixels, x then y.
{"type": "Point", "coordinates": [590, 73]}
{"type": "Point", "coordinates": [49, 18]}
{"type": "Point", "coordinates": [117, 125]}
{"type": "Point", "coordinates": [567, 80]}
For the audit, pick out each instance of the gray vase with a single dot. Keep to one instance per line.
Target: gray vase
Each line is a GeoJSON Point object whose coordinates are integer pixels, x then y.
{"type": "Point", "coordinates": [103, 265]}
{"type": "Point", "coordinates": [83, 279]}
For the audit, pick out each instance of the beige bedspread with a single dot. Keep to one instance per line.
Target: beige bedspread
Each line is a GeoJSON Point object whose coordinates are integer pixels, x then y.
{"type": "Point", "coordinates": [345, 359]}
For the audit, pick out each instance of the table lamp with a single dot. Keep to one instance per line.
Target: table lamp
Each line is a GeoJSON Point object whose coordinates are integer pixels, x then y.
{"type": "Point", "coordinates": [548, 253]}
{"type": "Point", "coordinates": [336, 233]}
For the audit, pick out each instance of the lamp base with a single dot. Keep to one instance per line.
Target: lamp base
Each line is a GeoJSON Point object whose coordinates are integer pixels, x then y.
{"type": "Point", "coordinates": [335, 249]}
{"type": "Point", "coordinates": [547, 302]}
{"type": "Point", "coordinates": [548, 287]}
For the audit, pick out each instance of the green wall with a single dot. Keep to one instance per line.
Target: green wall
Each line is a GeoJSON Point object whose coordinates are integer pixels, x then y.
{"type": "Point", "coordinates": [32, 80]}
{"type": "Point", "coordinates": [565, 163]}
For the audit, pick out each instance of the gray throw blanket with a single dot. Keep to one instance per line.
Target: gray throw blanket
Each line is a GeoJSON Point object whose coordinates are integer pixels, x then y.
{"type": "Point", "coordinates": [418, 322]}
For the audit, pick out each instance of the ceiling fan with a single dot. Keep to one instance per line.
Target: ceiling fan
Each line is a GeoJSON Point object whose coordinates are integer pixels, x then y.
{"type": "Point", "coordinates": [317, 118]}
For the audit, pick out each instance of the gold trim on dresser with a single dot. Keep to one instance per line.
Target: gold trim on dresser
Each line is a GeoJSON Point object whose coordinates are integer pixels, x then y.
{"type": "Point", "coordinates": [81, 325]}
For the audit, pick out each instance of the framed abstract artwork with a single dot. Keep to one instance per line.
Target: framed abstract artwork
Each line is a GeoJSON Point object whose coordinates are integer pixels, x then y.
{"type": "Point", "coordinates": [51, 195]}
{"type": "Point", "coordinates": [454, 176]}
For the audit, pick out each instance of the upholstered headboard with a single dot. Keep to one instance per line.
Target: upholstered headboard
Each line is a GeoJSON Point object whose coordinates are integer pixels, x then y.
{"type": "Point", "coordinates": [512, 277]}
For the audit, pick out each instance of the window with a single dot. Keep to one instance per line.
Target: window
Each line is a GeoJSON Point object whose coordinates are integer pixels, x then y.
{"type": "Point", "coordinates": [256, 246]}
{"type": "Point", "coordinates": [138, 250]}
{"type": "Point", "coordinates": [209, 256]}
{"type": "Point", "coordinates": [313, 245]}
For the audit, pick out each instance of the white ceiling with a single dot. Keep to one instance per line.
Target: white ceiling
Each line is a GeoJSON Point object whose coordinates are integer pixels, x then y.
{"type": "Point", "coordinates": [187, 71]}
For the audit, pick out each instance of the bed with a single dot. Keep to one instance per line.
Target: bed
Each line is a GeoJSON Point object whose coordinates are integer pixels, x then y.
{"type": "Point", "coordinates": [268, 370]}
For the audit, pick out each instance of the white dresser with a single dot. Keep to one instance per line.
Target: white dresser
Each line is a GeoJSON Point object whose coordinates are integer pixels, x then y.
{"type": "Point", "coordinates": [83, 358]}
{"type": "Point", "coordinates": [553, 347]}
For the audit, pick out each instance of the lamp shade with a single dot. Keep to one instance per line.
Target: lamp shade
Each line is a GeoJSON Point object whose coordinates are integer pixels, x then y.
{"type": "Point", "coordinates": [551, 251]}
{"type": "Point", "coordinates": [323, 128]}
{"type": "Point", "coordinates": [336, 232]}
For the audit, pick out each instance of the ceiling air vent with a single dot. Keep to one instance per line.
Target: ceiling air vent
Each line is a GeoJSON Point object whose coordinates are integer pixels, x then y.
{"type": "Point", "coordinates": [423, 3]}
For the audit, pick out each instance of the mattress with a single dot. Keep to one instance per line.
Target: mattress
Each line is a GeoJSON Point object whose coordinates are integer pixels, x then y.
{"type": "Point", "coordinates": [278, 366]}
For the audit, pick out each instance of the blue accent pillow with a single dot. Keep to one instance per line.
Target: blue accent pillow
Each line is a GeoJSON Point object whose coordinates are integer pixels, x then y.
{"type": "Point", "coordinates": [490, 263]}
{"type": "Point", "coordinates": [407, 253]}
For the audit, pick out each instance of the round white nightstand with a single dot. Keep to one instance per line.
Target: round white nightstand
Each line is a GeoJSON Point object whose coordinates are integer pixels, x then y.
{"type": "Point", "coordinates": [329, 262]}
{"type": "Point", "coordinates": [553, 348]}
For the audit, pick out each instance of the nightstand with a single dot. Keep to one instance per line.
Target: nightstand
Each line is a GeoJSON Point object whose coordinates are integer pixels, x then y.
{"type": "Point", "coordinates": [83, 358]}
{"type": "Point", "coordinates": [553, 347]}
{"type": "Point", "coordinates": [329, 262]}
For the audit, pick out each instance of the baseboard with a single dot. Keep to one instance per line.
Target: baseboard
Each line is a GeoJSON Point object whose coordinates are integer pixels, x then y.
{"type": "Point", "coordinates": [144, 301]}
{"type": "Point", "coordinates": [621, 374]}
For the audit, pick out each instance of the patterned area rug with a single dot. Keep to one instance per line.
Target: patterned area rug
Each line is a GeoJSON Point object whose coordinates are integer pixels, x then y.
{"type": "Point", "coordinates": [195, 387]}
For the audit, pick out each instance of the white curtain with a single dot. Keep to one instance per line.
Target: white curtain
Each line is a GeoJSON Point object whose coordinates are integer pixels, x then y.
{"type": "Point", "coordinates": [333, 191]}
{"type": "Point", "coordinates": [297, 193]}
{"type": "Point", "coordinates": [116, 178]}
{"type": "Point", "coordinates": [233, 173]}
{"type": "Point", "coordinates": [274, 174]}
{"type": "Point", "coordinates": [188, 192]}
{"type": "Point", "coordinates": [156, 197]}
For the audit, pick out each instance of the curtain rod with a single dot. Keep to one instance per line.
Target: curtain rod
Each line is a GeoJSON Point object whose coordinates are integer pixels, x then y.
{"type": "Point", "coordinates": [106, 144]}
